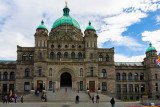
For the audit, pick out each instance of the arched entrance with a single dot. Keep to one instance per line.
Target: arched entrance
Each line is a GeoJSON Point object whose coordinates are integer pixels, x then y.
{"type": "Point", "coordinates": [66, 80]}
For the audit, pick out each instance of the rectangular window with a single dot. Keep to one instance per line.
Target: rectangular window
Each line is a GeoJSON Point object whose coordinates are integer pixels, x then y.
{"type": "Point", "coordinates": [26, 86]}
{"type": "Point", "coordinates": [81, 85]}
{"type": "Point", "coordinates": [40, 71]}
{"type": "Point", "coordinates": [136, 88]}
{"type": "Point", "coordinates": [11, 87]}
{"type": "Point", "coordinates": [91, 55]}
{"type": "Point", "coordinates": [130, 88]}
{"type": "Point", "coordinates": [87, 44]}
{"type": "Point", "coordinates": [91, 72]}
{"type": "Point", "coordinates": [142, 87]}
{"type": "Point", "coordinates": [91, 44]}
{"type": "Point", "coordinates": [50, 85]}
{"type": "Point", "coordinates": [156, 85]}
{"type": "Point", "coordinates": [104, 86]}
{"type": "Point", "coordinates": [118, 88]}
{"type": "Point", "coordinates": [94, 44]}
{"type": "Point", "coordinates": [4, 87]}
{"type": "Point", "coordinates": [124, 87]}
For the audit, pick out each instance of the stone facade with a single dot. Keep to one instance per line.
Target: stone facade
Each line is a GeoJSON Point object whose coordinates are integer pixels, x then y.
{"type": "Point", "coordinates": [64, 57]}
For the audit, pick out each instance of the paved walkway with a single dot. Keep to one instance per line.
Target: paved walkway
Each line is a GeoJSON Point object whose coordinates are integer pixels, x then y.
{"type": "Point", "coordinates": [71, 104]}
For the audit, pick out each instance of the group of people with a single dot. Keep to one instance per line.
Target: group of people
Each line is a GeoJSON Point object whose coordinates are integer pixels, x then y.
{"type": "Point", "coordinates": [112, 101]}
{"type": "Point", "coordinates": [11, 98]}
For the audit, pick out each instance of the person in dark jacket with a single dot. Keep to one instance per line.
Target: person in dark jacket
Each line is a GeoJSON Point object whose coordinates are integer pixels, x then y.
{"type": "Point", "coordinates": [77, 99]}
{"type": "Point", "coordinates": [112, 102]}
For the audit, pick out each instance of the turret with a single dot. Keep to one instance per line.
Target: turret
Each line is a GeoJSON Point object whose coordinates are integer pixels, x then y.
{"type": "Point", "coordinates": [90, 37]}
{"type": "Point", "coordinates": [41, 35]}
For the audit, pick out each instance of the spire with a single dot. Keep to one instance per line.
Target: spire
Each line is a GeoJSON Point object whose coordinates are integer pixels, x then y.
{"type": "Point", "coordinates": [89, 23]}
{"type": "Point", "coordinates": [66, 10]}
{"type": "Point", "coordinates": [42, 22]}
{"type": "Point", "coordinates": [150, 44]}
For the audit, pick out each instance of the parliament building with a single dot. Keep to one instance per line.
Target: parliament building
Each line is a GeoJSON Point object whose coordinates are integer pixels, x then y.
{"type": "Point", "coordinates": [65, 57]}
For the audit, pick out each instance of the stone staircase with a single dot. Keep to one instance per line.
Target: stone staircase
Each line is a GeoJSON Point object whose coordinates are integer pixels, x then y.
{"type": "Point", "coordinates": [62, 96]}
{"type": "Point", "coordinates": [69, 96]}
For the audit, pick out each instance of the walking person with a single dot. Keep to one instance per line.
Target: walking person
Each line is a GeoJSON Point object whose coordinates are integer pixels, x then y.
{"type": "Point", "coordinates": [77, 99]}
{"type": "Point", "coordinates": [112, 102]}
{"type": "Point", "coordinates": [97, 98]}
{"type": "Point", "coordinates": [5, 98]}
{"type": "Point", "coordinates": [66, 90]}
{"type": "Point", "coordinates": [15, 97]}
{"type": "Point", "coordinates": [22, 99]}
{"type": "Point", "coordinates": [92, 97]}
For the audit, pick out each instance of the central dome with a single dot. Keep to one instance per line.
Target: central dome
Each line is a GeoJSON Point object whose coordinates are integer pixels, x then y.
{"type": "Point", "coordinates": [66, 19]}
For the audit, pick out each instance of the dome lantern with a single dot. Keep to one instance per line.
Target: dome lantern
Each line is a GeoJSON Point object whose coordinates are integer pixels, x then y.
{"type": "Point", "coordinates": [150, 48]}
{"type": "Point", "coordinates": [89, 26]}
{"type": "Point", "coordinates": [42, 26]}
{"type": "Point", "coordinates": [66, 18]}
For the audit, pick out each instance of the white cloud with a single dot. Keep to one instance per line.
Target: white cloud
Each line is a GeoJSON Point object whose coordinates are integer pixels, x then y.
{"type": "Point", "coordinates": [20, 19]}
{"type": "Point", "coordinates": [153, 37]}
{"type": "Point", "coordinates": [158, 18]}
{"type": "Point", "coordinates": [124, 58]}
{"type": "Point", "coordinates": [116, 25]}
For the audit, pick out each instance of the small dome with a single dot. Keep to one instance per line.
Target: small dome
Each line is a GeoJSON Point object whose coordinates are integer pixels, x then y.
{"type": "Point", "coordinates": [66, 19]}
{"type": "Point", "coordinates": [150, 48]}
{"type": "Point", "coordinates": [89, 26]}
{"type": "Point", "coordinates": [42, 26]}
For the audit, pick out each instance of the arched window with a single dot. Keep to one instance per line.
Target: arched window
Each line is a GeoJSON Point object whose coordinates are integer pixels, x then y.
{"type": "Point", "coordinates": [117, 76]}
{"type": "Point", "coordinates": [81, 72]}
{"type": "Point", "coordinates": [40, 43]}
{"type": "Point", "coordinates": [124, 76]}
{"type": "Point", "coordinates": [50, 71]}
{"type": "Point", "coordinates": [5, 76]}
{"type": "Point", "coordinates": [66, 55]}
{"type": "Point", "coordinates": [30, 57]}
{"type": "Point", "coordinates": [141, 76]}
{"type": "Point", "coordinates": [107, 58]}
{"type": "Point", "coordinates": [0, 75]}
{"type": "Point", "coordinates": [135, 76]}
{"type": "Point", "coordinates": [12, 75]}
{"type": "Point", "coordinates": [72, 55]}
{"type": "Point", "coordinates": [100, 58]}
{"type": "Point", "coordinates": [51, 55]}
{"type": "Point", "coordinates": [79, 55]}
{"type": "Point", "coordinates": [44, 44]}
{"type": "Point", "coordinates": [59, 55]}
{"type": "Point", "coordinates": [27, 72]}
{"type": "Point", "coordinates": [130, 76]}
{"type": "Point", "coordinates": [103, 73]}
{"type": "Point", "coordinates": [24, 57]}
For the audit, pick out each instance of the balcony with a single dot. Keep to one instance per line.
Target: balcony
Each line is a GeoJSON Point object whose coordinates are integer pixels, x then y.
{"type": "Point", "coordinates": [66, 60]}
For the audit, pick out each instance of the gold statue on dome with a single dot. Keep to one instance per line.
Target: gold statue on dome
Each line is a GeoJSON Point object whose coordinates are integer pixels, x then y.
{"type": "Point", "coordinates": [66, 3]}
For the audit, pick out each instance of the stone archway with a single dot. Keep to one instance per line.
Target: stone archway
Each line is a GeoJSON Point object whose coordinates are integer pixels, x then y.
{"type": "Point", "coordinates": [69, 72]}
{"type": "Point", "coordinates": [66, 80]}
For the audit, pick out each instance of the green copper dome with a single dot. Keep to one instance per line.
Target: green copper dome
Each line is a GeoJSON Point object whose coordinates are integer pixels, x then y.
{"type": "Point", "coordinates": [66, 19]}
{"type": "Point", "coordinates": [89, 26]}
{"type": "Point", "coordinates": [42, 26]}
{"type": "Point", "coordinates": [150, 48]}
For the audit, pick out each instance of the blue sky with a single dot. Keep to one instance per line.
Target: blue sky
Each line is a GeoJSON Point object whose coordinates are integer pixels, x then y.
{"type": "Point", "coordinates": [127, 25]}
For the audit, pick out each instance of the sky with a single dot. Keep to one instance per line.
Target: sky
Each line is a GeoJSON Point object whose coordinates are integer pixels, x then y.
{"type": "Point", "coordinates": [127, 25]}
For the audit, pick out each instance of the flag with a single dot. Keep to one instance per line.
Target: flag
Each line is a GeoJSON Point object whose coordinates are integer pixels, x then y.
{"type": "Point", "coordinates": [157, 62]}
